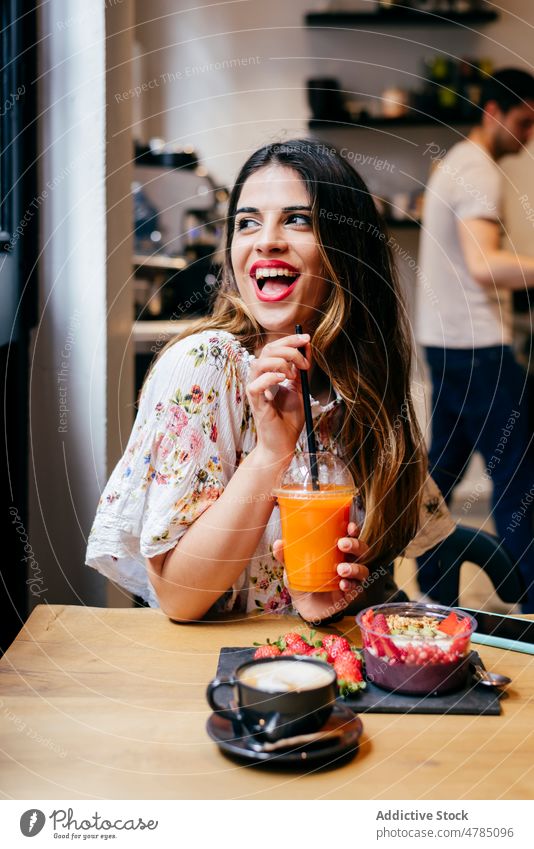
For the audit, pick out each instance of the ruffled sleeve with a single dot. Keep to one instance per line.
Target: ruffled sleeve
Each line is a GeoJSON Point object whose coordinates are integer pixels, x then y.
{"type": "Point", "coordinates": [182, 452]}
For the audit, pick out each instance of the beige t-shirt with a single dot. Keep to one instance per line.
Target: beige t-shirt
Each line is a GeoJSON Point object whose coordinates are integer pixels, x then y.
{"type": "Point", "coordinates": [453, 310]}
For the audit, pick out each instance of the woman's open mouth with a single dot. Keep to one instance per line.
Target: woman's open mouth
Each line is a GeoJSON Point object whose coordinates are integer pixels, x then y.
{"type": "Point", "coordinates": [273, 280]}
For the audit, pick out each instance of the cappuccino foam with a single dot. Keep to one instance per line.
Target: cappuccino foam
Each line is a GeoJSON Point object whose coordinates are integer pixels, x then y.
{"type": "Point", "coordinates": [284, 676]}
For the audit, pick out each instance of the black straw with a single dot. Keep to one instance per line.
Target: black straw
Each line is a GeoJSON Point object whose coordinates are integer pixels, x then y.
{"type": "Point", "coordinates": [312, 448]}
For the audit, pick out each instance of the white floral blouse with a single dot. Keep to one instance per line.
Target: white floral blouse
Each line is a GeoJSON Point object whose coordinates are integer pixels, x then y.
{"type": "Point", "coordinates": [193, 428]}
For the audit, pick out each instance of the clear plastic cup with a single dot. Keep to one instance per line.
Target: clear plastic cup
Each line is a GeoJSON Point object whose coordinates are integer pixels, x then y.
{"type": "Point", "coordinates": [406, 650]}
{"type": "Point", "coordinates": [313, 520]}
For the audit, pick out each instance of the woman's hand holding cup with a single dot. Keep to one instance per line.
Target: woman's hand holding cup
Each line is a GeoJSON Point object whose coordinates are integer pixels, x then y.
{"type": "Point", "coordinates": [352, 573]}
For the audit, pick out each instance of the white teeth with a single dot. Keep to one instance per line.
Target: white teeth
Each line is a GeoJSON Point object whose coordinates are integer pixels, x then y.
{"type": "Point", "coordinates": [274, 272]}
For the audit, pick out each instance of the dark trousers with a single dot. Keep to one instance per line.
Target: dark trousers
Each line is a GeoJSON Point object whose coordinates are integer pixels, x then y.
{"type": "Point", "coordinates": [479, 403]}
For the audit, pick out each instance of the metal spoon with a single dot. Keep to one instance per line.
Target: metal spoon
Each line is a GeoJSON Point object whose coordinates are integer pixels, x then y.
{"type": "Point", "coordinates": [300, 740]}
{"type": "Point", "coordinates": [490, 679]}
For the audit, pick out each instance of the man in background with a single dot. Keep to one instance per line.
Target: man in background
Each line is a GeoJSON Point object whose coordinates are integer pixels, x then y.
{"type": "Point", "coordinates": [464, 322]}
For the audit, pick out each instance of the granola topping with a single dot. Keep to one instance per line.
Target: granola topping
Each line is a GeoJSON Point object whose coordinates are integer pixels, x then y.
{"type": "Point", "coordinates": [423, 625]}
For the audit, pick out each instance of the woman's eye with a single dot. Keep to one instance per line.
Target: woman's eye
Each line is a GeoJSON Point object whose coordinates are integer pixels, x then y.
{"type": "Point", "coordinates": [299, 218]}
{"type": "Point", "coordinates": [245, 224]}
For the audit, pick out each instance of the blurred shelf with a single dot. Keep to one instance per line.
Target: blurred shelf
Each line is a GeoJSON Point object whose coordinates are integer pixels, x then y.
{"type": "Point", "coordinates": [176, 263]}
{"type": "Point", "coordinates": [371, 123]}
{"type": "Point", "coordinates": [147, 331]}
{"type": "Point", "coordinates": [149, 337]}
{"type": "Point", "coordinates": [398, 17]}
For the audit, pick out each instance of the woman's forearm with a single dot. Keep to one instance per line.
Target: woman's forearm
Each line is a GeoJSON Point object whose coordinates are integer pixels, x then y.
{"type": "Point", "coordinates": [216, 549]}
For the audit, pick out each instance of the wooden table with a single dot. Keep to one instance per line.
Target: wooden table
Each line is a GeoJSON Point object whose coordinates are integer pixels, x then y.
{"type": "Point", "coordinates": [102, 703]}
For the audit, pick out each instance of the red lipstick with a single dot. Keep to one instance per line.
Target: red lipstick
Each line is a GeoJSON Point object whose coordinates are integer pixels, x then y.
{"type": "Point", "coordinates": [272, 263]}
{"type": "Point", "coordinates": [282, 290]}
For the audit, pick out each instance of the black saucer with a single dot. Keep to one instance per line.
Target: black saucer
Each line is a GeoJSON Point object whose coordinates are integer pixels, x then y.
{"type": "Point", "coordinates": [331, 752]}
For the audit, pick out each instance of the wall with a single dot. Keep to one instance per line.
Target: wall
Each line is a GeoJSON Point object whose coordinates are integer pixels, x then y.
{"type": "Point", "coordinates": [199, 91]}
{"type": "Point", "coordinates": [81, 371]}
{"type": "Point", "coordinates": [227, 109]}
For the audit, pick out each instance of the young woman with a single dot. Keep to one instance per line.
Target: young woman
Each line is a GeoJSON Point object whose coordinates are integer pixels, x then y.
{"type": "Point", "coordinates": [187, 520]}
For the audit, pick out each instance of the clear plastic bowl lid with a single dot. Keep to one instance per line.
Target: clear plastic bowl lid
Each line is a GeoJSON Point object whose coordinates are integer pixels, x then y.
{"type": "Point", "coordinates": [332, 473]}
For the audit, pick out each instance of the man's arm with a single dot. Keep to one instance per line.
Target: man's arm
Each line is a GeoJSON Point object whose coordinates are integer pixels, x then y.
{"type": "Point", "coordinates": [489, 265]}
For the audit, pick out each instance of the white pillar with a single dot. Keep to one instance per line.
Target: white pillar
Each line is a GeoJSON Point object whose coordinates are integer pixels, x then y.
{"type": "Point", "coordinates": [81, 379]}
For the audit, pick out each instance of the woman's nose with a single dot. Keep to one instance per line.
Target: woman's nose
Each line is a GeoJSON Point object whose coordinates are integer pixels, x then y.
{"type": "Point", "coordinates": [271, 239]}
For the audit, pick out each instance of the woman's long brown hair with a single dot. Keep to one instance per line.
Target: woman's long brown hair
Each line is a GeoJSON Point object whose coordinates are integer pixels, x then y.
{"type": "Point", "coordinates": [360, 340]}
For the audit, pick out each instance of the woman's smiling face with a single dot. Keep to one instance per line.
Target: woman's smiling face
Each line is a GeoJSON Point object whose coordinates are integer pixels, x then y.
{"type": "Point", "coordinates": [274, 254]}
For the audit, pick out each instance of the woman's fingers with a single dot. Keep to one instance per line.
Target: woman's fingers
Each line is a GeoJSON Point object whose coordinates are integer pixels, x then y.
{"type": "Point", "coordinates": [350, 590]}
{"type": "Point", "coordinates": [260, 384]}
{"type": "Point", "coordinates": [278, 550]}
{"type": "Point", "coordinates": [279, 357]}
{"type": "Point", "coordinates": [290, 355]}
{"type": "Point", "coordinates": [296, 340]}
{"type": "Point", "coordinates": [288, 349]}
{"type": "Point", "coordinates": [350, 587]}
{"type": "Point", "coordinates": [273, 364]}
{"type": "Point", "coordinates": [353, 571]}
{"type": "Point", "coordinates": [352, 546]}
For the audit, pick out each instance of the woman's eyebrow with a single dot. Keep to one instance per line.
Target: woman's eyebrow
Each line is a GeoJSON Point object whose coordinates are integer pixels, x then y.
{"type": "Point", "coordinates": [284, 209]}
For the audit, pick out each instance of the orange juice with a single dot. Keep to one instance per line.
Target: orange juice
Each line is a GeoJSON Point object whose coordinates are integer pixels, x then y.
{"type": "Point", "coordinates": [312, 523]}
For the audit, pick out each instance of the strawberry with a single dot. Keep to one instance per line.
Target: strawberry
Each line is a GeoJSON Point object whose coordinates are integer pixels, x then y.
{"type": "Point", "coordinates": [295, 641]}
{"type": "Point", "coordinates": [338, 647]}
{"type": "Point", "coordinates": [292, 637]}
{"type": "Point", "coordinates": [349, 673]}
{"type": "Point", "coordinates": [368, 625]}
{"type": "Point", "coordinates": [368, 621]}
{"type": "Point", "coordinates": [334, 645]}
{"type": "Point", "coordinates": [368, 617]}
{"type": "Point", "coordinates": [450, 624]}
{"type": "Point", "coordinates": [460, 643]}
{"type": "Point", "coordinates": [383, 645]}
{"type": "Point", "coordinates": [295, 649]}
{"type": "Point", "coordinates": [457, 628]}
{"type": "Point", "coordinates": [297, 645]}
{"type": "Point", "coordinates": [328, 642]}
{"type": "Point", "coordinates": [319, 653]}
{"type": "Point", "coordinates": [290, 644]}
{"type": "Point", "coordinates": [380, 624]}
{"type": "Point", "coordinates": [267, 651]}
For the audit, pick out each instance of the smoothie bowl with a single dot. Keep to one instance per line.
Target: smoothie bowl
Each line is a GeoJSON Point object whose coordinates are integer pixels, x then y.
{"type": "Point", "coordinates": [421, 649]}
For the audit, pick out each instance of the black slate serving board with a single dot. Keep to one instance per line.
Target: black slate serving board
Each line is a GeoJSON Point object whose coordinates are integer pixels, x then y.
{"type": "Point", "coordinates": [473, 700]}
